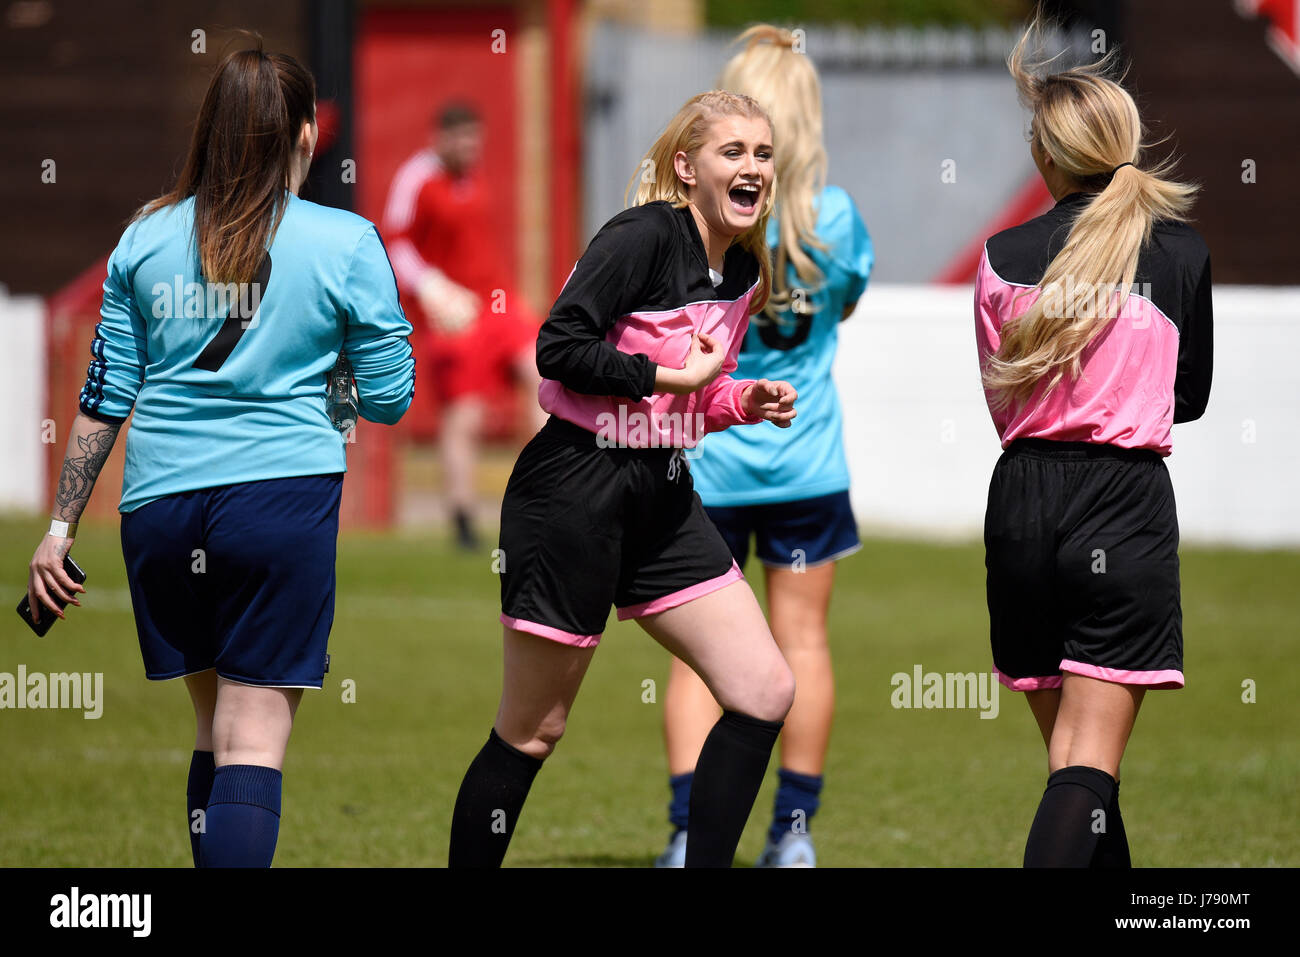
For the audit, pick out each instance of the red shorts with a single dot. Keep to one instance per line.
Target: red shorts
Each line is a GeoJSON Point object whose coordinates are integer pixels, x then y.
{"type": "Point", "coordinates": [480, 359]}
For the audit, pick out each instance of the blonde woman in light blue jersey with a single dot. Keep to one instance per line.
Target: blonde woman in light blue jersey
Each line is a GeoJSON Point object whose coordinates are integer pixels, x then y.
{"type": "Point", "coordinates": [789, 487]}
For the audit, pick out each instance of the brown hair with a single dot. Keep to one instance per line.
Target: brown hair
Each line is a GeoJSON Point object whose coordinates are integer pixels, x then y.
{"type": "Point", "coordinates": [240, 157]}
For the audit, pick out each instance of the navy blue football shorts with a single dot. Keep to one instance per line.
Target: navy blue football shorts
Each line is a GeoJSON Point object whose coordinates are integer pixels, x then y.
{"type": "Point", "coordinates": [1081, 547]}
{"type": "Point", "coordinates": [798, 534]}
{"type": "Point", "coordinates": [237, 578]}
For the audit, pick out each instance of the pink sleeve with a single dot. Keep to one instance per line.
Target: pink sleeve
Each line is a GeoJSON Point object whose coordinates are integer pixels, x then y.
{"type": "Point", "coordinates": [987, 323]}
{"type": "Point", "coordinates": [720, 400]}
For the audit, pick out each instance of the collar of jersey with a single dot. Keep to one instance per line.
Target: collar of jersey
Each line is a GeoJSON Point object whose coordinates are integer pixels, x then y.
{"type": "Point", "coordinates": [697, 244]}
{"type": "Point", "coordinates": [1074, 199]}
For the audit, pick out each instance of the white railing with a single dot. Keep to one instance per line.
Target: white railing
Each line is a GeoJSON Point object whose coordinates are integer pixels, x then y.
{"type": "Point", "coordinates": [22, 398]}
{"type": "Point", "coordinates": [921, 444]}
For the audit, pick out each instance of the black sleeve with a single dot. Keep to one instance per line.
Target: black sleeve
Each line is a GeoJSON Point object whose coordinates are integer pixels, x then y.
{"type": "Point", "coordinates": [608, 282]}
{"type": "Point", "coordinates": [1195, 352]}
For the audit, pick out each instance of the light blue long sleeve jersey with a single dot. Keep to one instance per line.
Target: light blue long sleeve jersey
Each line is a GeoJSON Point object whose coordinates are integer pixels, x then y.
{"type": "Point", "coordinates": [761, 464]}
{"type": "Point", "coordinates": [222, 397]}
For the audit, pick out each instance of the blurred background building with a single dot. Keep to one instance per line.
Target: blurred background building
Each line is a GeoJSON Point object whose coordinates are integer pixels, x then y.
{"type": "Point", "coordinates": [922, 128]}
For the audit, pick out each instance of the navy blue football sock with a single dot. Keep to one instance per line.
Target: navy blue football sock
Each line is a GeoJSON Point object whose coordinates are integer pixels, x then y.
{"type": "Point", "coordinates": [197, 788]}
{"type": "Point", "coordinates": [727, 777]}
{"type": "Point", "coordinates": [679, 809]}
{"type": "Point", "coordinates": [1071, 818]}
{"type": "Point", "coordinates": [243, 817]}
{"type": "Point", "coordinates": [797, 798]}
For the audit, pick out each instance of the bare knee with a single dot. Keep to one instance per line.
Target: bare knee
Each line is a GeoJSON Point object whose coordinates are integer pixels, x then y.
{"type": "Point", "coordinates": [770, 699]}
{"type": "Point", "coordinates": [780, 695]}
{"type": "Point", "coordinates": [250, 741]}
{"type": "Point", "coordinates": [251, 725]}
{"type": "Point", "coordinates": [537, 741]}
{"type": "Point", "coordinates": [546, 737]}
{"type": "Point", "coordinates": [801, 638]}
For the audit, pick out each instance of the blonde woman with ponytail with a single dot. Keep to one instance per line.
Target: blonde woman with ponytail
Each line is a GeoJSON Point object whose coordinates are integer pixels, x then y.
{"type": "Point", "coordinates": [788, 490]}
{"type": "Point", "coordinates": [1094, 328]}
{"type": "Point", "coordinates": [636, 359]}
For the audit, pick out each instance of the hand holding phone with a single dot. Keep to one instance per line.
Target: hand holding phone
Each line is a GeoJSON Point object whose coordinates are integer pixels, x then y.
{"type": "Point", "coordinates": [47, 617]}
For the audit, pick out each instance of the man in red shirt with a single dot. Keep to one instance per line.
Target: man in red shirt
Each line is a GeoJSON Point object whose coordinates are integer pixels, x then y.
{"type": "Point", "coordinates": [437, 225]}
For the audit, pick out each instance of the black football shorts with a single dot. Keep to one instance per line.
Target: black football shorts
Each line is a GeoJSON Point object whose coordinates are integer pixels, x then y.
{"type": "Point", "coordinates": [1081, 547]}
{"type": "Point", "coordinates": [584, 527]}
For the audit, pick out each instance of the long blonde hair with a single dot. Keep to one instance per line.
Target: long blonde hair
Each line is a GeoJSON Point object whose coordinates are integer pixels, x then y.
{"type": "Point", "coordinates": [1089, 125]}
{"type": "Point", "coordinates": [656, 177]}
{"type": "Point", "coordinates": [785, 82]}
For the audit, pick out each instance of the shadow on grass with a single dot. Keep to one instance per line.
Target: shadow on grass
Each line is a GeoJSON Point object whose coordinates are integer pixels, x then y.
{"type": "Point", "coordinates": [591, 860]}
{"type": "Point", "coordinates": [583, 860]}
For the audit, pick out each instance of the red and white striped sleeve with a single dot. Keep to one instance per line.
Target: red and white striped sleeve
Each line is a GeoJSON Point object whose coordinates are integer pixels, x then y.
{"type": "Point", "coordinates": [401, 212]}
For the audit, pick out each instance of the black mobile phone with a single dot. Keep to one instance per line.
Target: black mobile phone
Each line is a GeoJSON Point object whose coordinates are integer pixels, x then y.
{"type": "Point", "coordinates": [48, 618]}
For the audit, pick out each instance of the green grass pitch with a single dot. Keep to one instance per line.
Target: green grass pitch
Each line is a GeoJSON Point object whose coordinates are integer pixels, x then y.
{"type": "Point", "coordinates": [1209, 780]}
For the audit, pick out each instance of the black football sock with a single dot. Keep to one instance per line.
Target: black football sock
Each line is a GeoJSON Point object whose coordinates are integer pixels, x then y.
{"type": "Point", "coordinates": [728, 774]}
{"type": "Point", "coordinates": [1112, 848]}
{"type": "Point", "coordinates": [491, 797]}
{"type": "Point", "coordinates": [1070, 818]}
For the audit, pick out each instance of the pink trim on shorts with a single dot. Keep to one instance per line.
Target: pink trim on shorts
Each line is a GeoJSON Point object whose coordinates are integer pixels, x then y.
{"type": "Point", "coordinates": [681, 597]}
{"type": "Point", "coordinates": [1028, 684]}
{"type": "Point", "coordinates": [546, 631]}
{"type": "Point", "coordinates": [1150, 679]}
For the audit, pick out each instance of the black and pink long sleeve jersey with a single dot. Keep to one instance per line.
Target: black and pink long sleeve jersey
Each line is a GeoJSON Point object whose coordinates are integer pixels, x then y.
{"type": "Point", "coordinates": [1146, 370]}
{"type": "Point", "coordinates": [632, 302]}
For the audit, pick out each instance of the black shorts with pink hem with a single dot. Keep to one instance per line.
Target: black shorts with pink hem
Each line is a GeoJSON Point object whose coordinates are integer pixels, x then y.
{"type": "Point", "coordinates": [1081, 547]}
{"type": "Point", "coordinates": [585, 528]}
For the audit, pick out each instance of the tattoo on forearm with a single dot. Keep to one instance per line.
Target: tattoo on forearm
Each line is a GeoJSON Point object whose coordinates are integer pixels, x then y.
{"type": "Point", "coordinates": [80, 469]}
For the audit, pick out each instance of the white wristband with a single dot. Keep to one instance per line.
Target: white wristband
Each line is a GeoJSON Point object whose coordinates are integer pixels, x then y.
{"type": "Point", "coordinates": [63, 529]}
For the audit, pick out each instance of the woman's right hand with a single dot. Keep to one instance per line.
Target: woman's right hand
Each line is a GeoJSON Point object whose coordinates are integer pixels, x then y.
{"type": "Point", "coordinates": [703, 363]}
{"type": "Point", "coordinates": [46, 578]}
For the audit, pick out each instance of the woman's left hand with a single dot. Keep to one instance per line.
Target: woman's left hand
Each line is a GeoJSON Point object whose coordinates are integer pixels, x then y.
{"type": "Point", "coordinates": [774, 401]}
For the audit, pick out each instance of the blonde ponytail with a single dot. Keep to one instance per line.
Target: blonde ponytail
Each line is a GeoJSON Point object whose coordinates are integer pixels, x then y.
{"type": "Point", "coordinates": [785, 82]}
{"type": "Point", "coordinates": [1089, 125]}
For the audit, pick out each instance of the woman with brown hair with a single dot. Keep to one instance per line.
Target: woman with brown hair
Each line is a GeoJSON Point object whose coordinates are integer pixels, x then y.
{"type": "Point", "coordinates": [1093, 324]}
{"type": "Point", "coordinates": [227, 303]}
